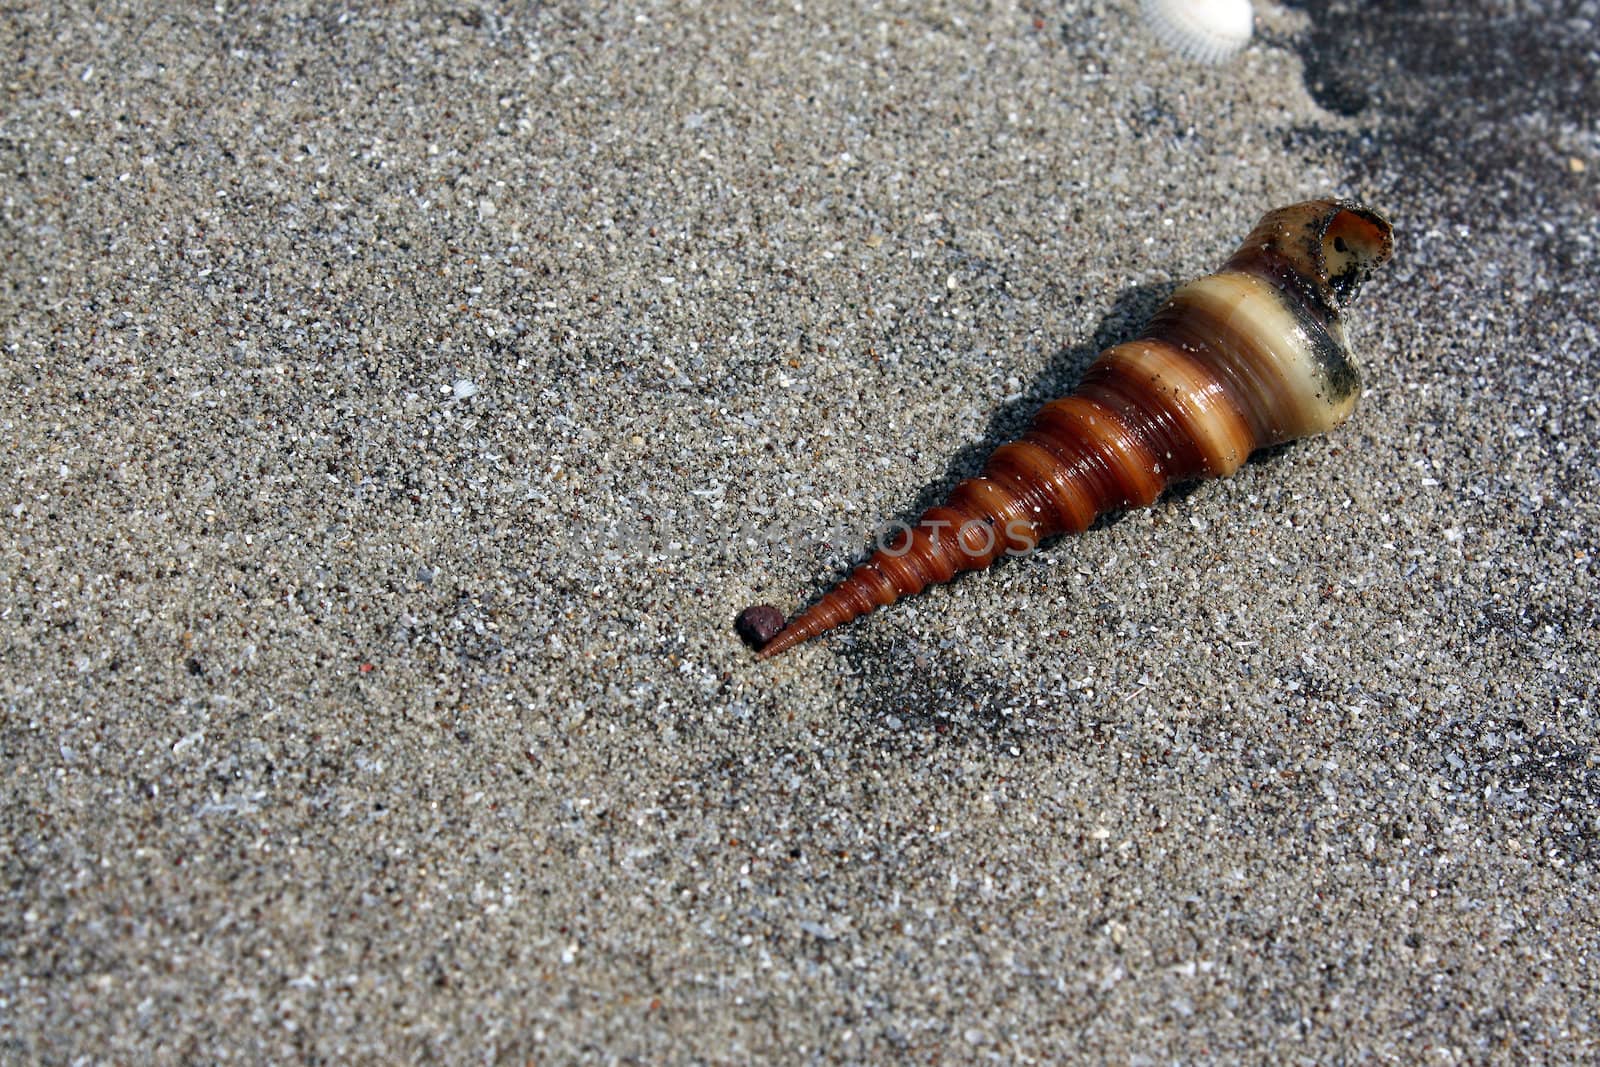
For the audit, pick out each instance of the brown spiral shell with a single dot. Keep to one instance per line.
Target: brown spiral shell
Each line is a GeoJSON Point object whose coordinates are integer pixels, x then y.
{"type": "Point", "coordinates": [1248, 357]}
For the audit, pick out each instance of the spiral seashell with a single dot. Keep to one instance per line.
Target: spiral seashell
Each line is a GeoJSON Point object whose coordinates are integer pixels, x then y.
{"type": "Point", "coordinates": [1249, 357]}
{"type": "Point", "coordinates": [1206, 30]}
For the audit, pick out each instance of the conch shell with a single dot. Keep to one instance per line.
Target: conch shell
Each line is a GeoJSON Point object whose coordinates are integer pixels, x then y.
{"type": "Point", "coordinates": [1248, 357]}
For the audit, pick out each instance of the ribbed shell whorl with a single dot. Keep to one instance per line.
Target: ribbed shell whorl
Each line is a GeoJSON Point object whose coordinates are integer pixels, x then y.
{"type": "Point", "coordinates": [1248, 357]}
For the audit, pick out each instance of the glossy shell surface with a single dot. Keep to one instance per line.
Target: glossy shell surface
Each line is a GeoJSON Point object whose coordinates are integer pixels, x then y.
{"type": "Point", "coordinates": [1210, 31]}
{"type": "Point", "coordinates": [1248, 357]}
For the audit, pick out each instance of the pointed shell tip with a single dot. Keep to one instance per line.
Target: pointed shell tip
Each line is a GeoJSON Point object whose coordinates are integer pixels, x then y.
{"type": "Point", "coordinates": [758, 624]}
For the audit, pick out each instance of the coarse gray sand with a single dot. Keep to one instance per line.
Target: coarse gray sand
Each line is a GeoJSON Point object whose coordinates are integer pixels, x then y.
{"type": "Point", "coordinates": [401, 403]}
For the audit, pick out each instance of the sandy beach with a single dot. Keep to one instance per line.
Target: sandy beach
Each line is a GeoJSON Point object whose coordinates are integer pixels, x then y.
{"type": "Point", "coordinates": [401, 402]}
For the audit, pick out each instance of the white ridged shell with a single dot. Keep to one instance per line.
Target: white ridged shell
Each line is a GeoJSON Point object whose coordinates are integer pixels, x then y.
{"type": "Point", "coordinates": [1208, 30]}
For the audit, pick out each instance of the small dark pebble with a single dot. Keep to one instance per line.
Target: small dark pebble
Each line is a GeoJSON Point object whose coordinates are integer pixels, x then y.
{"type": "Point", "coordinates": [758, 624]}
